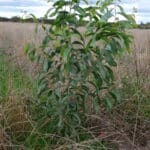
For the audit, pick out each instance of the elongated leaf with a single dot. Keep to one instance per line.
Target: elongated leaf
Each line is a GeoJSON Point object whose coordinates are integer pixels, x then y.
{"type": "Point", "coordinates": [46, 65]}
{"type": "Point", "coordinates": [110, 60]}
{"type": "Point", "coordinates": [46, 41]}
{"type": "Point", "coordinates": [41, 89]}
{"type": "Point", "coordinates": [66, 54]}
{"type": "Point", "coordinates": [75, 31]}
{"type": "Point", "coordinates": [109, 104]}
{"type": "Point", "coordinates": [77, 43]}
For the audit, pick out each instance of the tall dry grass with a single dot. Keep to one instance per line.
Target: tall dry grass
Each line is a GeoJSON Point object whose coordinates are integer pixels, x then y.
{"type": "Point", "coordinates": [13, 37]}
{"type": "Point", "coordinates": [137, 62]}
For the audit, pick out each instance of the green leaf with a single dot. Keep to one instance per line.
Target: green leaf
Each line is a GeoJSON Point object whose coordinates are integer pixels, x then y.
{"type": "Point", "coordinates": [75, 31]}
{"type": "Point", "coordinates": [78, 118]}
{"type": "Point", "coordinates": [37, 58]}
{"type": "Point", "coordinates": [46, 41]}
{"type": "Point", "coordinates": [80, 10]}
{"type": "Point", "coordinates": [106, 16]}
{"type": "Point", "coordinates": [110, 74]}
{"type": "Point", "coordinates": [46, 65]}
{"type": "Point", "coordinates": [66, 54]}
{"type": "Point", "coordinates": [116, 94]}
{"type": "Point", "coordinates": [96, 105]}
{"type": "Point", "coordinates": [110, 60]}
{"type": "Point", "coordinates": [41, 88]}
{"type": "Point", "coordinates": [109, 103]}
{"type": "Point", "coordinates": [98, 79]}
{"type": "Point", "coordinates": [31, 54]}
{"type": "Point", "coordinates": [77, 43]}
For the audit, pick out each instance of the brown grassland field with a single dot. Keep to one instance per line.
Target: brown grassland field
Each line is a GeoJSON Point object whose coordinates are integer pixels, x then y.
{"type": "Point", "coordinates": [129, 123]}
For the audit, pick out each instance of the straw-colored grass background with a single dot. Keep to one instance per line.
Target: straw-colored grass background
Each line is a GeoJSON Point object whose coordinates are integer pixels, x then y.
{"type": "Point", "coordinates": [13, 37]}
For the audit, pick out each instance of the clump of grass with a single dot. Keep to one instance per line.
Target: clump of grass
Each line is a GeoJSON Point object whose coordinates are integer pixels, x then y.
{"type": "Point", "coordinates": [134, 80]}
{"type": "Point", "coordinates": [12, 78]}
{"type": "Point", "coordinates": [3, 77]}
{"type": "Point", "coordinates": [14, 85]}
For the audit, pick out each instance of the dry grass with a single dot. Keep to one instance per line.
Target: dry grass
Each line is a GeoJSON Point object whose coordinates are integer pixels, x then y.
{"type": "Point", "coordinates": [139, 59]}
{"type": "Point", "coordinates": [13, 37]}
{"type": "Point", "coordinates": [16, 124]}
